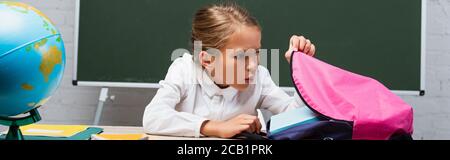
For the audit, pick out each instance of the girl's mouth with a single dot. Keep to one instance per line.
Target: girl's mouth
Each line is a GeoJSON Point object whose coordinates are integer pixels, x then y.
{"type": "Point", "coordinates": [248, 80]}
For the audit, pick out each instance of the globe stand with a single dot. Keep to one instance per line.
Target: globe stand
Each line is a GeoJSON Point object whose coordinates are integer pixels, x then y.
{"type": "Point", "coordinates": [14, 124]}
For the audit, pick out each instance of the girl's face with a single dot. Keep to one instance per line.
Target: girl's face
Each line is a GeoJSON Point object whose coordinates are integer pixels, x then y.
{"type": "Point", "coordinates": [237, 65]}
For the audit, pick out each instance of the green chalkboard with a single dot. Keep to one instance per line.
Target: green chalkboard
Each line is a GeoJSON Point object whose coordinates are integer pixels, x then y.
{"type": "Point", "coordinates": [132, 41]}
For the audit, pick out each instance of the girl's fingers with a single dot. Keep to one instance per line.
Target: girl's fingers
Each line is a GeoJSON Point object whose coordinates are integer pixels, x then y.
{"type": "Point", "coordinates": [295, 43]}
{"type": "Point", "coordinates": [288, 55]}
{"type": "Point", "coordinates": [307, 47]}
{"type": "Point", "coordinates": [302, 43]}
{"type": "Point", "coordinates": [291, 42]}
{"type": "Point", "coordinates": [249, 117]}
{"type": "Point", "coordinates": [258, 126]}
{"type": "Point", "coordinates": [254, 124]}
{"type": "Point", "coordinates": [250, 128]}
{"type": "Point", "coordinates": [313, 50]}
{"type": "Point", "coordinates": [243, 127]}
{"type": "Point", "coordinates": [247, 121]}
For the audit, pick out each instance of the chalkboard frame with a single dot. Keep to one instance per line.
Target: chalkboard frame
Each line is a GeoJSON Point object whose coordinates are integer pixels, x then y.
{"type": "Point", "coordinates": [76, 82]}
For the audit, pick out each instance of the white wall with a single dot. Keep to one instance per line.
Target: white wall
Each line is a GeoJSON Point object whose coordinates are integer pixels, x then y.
{"type": "Point", "coordinates": [76, 105]}
{"type": "Point", "coordinates": [432, 112]}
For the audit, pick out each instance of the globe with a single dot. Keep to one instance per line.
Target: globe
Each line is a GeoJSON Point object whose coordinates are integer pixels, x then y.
{"type": "Point", "coordinates": [32, 58]}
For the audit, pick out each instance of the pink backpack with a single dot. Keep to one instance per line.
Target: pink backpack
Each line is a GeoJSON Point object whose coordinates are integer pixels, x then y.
{"type": "Point", "coordinates": [373, 111]}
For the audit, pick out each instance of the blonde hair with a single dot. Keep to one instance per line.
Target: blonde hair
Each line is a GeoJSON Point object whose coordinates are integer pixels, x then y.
{"type": "Point", "coordinates": [214, 24]}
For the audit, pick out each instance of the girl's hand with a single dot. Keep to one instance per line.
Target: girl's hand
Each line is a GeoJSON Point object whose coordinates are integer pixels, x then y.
{"type": "Point", "coordinates": [300, 43]}
{"type": "Point", "coordinates": [232, 127]}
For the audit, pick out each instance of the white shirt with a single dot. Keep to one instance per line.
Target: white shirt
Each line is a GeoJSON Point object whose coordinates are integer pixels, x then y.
{"type": "Point", "coordinates": [188, 97]}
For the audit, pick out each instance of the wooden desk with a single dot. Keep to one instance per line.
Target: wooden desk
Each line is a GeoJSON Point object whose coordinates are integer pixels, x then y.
{"type": "Point", "coordinates": [137, 130]}
{"type": "Point", "coordinates": [131, 130]}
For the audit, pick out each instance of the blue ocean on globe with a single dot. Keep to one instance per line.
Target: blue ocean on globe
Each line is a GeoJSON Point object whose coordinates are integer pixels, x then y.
{"type": "Point", "coordinates": [32, 58]}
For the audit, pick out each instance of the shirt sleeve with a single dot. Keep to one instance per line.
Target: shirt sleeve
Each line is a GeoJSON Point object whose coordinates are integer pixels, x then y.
{"type": "Point", "coordinates": [160, 116]}
{"type": "Point", "coordinates": [275, 99]}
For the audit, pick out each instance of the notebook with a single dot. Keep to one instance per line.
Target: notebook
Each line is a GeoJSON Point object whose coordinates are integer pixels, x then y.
{"type": "Point", "coordinates": [56, 132]}
{"type": "Point", "coordinates": [104, 136]}
{"type": "Point", "coordinates": [291, 118]}
{"type": "Point", "coordinates": [52, 130]}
